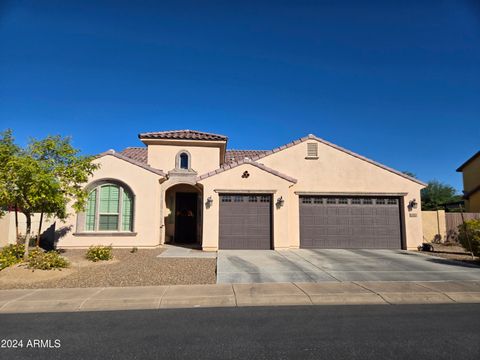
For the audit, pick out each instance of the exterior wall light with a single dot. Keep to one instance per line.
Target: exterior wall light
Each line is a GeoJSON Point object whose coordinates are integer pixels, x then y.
{"type": "Point", "coordinates": [413, 204]}
{"type": "Point", "coordinates": [209, 202]}
{"type": "Point", "coordinates": [280, 201]}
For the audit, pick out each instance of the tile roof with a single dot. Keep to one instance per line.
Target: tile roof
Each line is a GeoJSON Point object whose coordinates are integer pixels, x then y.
{"type": "Point", "coordinates": [183, 135]}
{"type": "Point", "coordinates": [136, 153]}
{"type": "Point", "coordinates": [232, 165]}
{"type": "Point", "coordinates": [237, 155]}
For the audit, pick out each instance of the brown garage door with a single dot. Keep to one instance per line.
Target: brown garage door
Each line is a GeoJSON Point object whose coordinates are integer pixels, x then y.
{"type": "Point", "coordinates": [245, 221]}
{"type": "Point", "coordinates": [350, 222]}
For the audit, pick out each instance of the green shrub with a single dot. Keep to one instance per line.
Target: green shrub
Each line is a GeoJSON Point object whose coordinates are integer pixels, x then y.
{"type": "Point", "coordinates": [469, 236]}
{"type": "Point", "coordinates": [41, 260]}
{"type": "Point", "coordinates": [98, 253]}
{"type": "Point", "coordinates": [11, 255]}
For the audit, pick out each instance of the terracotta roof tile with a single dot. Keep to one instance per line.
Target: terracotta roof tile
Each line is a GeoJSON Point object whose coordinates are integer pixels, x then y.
{"type": "Point", "coordinates": [183, 135]}
{"type": "Point", "coordinates": [237, 155]}
{"type": "Point", "coordinates": [136, 153]}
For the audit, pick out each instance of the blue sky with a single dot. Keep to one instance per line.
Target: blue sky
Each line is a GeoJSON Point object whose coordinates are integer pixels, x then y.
{"type": "Point", "coordinates": [398, 83]}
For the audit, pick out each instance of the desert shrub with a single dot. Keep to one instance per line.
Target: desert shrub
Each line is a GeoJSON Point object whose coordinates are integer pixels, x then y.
{"type": "Point", "coordinates": [41, 260]}
{"type": "Point", "coordinates": [99, 253]}
{"type": "Point", "coordinates": [469, 236]}
{"type": "Point", "coordinates": [11, 255]}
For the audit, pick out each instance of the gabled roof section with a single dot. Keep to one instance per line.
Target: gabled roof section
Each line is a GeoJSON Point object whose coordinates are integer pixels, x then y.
{"type": "Point", "coordinates": [313, 137]}
{"type": "Point", "coordinates": [131, 161]}
{"type": "Point", "coordinates": [136, 153]}
{"type": "Point", "coordinates": [468, 161]}
{"type": "Point", "coordinates": [183, 135]}
{"type": "Point", "coordinates": [233, 165]}
{"type": "Point", "coordinates": [238, 155]}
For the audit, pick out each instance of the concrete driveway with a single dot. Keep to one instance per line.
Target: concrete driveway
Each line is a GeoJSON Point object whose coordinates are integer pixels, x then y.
{"type": "Point", "coordinates": [257, 266]}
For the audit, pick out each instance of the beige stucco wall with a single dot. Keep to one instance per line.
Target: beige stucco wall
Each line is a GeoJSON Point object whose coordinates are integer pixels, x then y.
{"type": "Point", "coordinates": [147, 199]}
{"type": "Point", "coordinates": [8, 232]}
{"type": "Point", "coordinates": [339, 172]}
{"type": "Point", "coordinates": [434, 225]}
{"type": "Point", "coordinates": [471, 175]}
{"type": "Point", "coordinates": [471, 180]}
{"type": "Point", "coordinates": [203, 158]}
{"type": "Point", "coordinates": [232, 181]}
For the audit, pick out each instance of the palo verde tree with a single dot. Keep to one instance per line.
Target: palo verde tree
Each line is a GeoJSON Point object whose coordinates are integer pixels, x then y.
{"type": "Point", "coordinates": [44, 177]}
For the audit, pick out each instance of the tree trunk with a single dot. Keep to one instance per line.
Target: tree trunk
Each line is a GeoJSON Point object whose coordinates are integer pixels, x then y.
{"type": "Point", "coordinates": [27, 234]}
{"type": "Point", "coordinates": [16, 223]}
{"type": "Point", "coordinates": [39, 229]}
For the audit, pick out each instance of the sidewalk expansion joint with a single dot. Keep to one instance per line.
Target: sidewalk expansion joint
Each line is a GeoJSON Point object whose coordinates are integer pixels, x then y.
{"type": "Point", "coordinates": [374, 292]}
{"type": "Point", "coordinates": [19, 298]}
{"type": "Point", "coordinates": [303, 291]}
{"type": "Point", "coordinates": [234, 295]}
{"type": "Point", "coordinates": [88, 298]}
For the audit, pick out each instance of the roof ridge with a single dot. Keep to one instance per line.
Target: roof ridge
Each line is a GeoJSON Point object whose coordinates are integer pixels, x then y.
{"type": "Point", "coordinates": [185, 134]}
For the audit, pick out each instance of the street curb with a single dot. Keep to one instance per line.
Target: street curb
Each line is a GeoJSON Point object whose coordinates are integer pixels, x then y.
{"type": "Point", "coordinates": [237, 295]}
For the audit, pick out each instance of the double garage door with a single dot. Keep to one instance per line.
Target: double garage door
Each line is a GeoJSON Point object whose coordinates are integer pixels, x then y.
{"type": "Point", "coordinates": [245, 221]}
{"type": "Point", "coordinates": [325, 222]}
{"type": "Point", "coordinates": [350, 222]}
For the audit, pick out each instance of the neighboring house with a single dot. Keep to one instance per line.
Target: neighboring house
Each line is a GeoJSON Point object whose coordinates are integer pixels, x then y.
{"type": "Point", "coordinates": [187, 187]}
{"type": "Point", "coordinates": [471, 182]}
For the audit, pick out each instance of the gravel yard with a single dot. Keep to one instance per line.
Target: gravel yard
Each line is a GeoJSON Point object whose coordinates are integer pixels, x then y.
{"type": "Point", "coordinates": [141, 268]}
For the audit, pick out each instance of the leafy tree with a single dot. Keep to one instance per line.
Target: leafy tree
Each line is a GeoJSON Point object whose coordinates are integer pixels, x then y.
{"type": "Point", "coordinates": [8, 196]}
{"type": "Point", "coordinates": [44, 177]}
{"type": "Point", "coordinates": [436, 194]}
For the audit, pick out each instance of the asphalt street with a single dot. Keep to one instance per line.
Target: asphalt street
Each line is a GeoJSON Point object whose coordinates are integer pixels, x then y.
{"type": "Point", "coordinates": [313, 332]}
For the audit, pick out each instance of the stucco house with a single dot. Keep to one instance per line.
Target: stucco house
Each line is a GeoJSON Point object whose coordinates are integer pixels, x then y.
{"type": "Point", "coordinates": [188, 187]}
{"type": "Point", "coordinates": [470, 170]}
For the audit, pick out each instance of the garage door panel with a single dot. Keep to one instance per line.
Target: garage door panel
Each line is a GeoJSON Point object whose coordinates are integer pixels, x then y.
{"type": "Point", "coordinates": [245, 221]}
{"type": "Point", "coordinates": [350, 222]}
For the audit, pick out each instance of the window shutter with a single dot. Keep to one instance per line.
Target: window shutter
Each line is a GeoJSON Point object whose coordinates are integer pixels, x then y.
{"type": "Point", "coordinates": [127, 212]}
{"type": "Point", "coordinates": [90, 213]}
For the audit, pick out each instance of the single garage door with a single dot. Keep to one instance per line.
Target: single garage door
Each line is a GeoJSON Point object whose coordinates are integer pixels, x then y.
{"type": "Point", "coordinates": [350, 222]}
{"type": "Point", "coordinates": [245, 221]}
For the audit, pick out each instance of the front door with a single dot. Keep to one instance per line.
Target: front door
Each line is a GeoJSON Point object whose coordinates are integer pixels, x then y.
{"type": "Point", "coordinates": [186, 218]}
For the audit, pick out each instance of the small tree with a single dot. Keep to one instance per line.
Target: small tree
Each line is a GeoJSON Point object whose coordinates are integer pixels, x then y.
{"type": "Point", "coordinates": [8, 194]}
{"type": "Point", "coordinates": [44, 177]}
{"type": "Point", "coordinates": [436, 194]}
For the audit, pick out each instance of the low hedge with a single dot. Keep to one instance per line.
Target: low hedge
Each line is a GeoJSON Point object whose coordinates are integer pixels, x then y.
{"type": "Point", "coordinates": [41, 260]}
{"type": "Point", "coordinates": [99, 253]}
{"type": "Point", "coordinates": [11, 255]}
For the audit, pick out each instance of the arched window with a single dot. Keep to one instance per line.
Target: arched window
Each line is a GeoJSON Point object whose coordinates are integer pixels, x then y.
{"type": "Point", "coordinates": [184, 161]}
{"type": "Point", "coordinates": [109, 208]}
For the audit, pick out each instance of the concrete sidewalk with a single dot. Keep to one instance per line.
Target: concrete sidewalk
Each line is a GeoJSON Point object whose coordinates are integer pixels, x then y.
{"type": "Point", "coordinates": [234, 295]}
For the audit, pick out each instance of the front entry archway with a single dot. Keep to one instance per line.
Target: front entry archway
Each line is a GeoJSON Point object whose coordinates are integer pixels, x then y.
{"type": "Point", "coordinates": [186, 218]}
{"type": "Point", "coordinates": [183, 218]}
